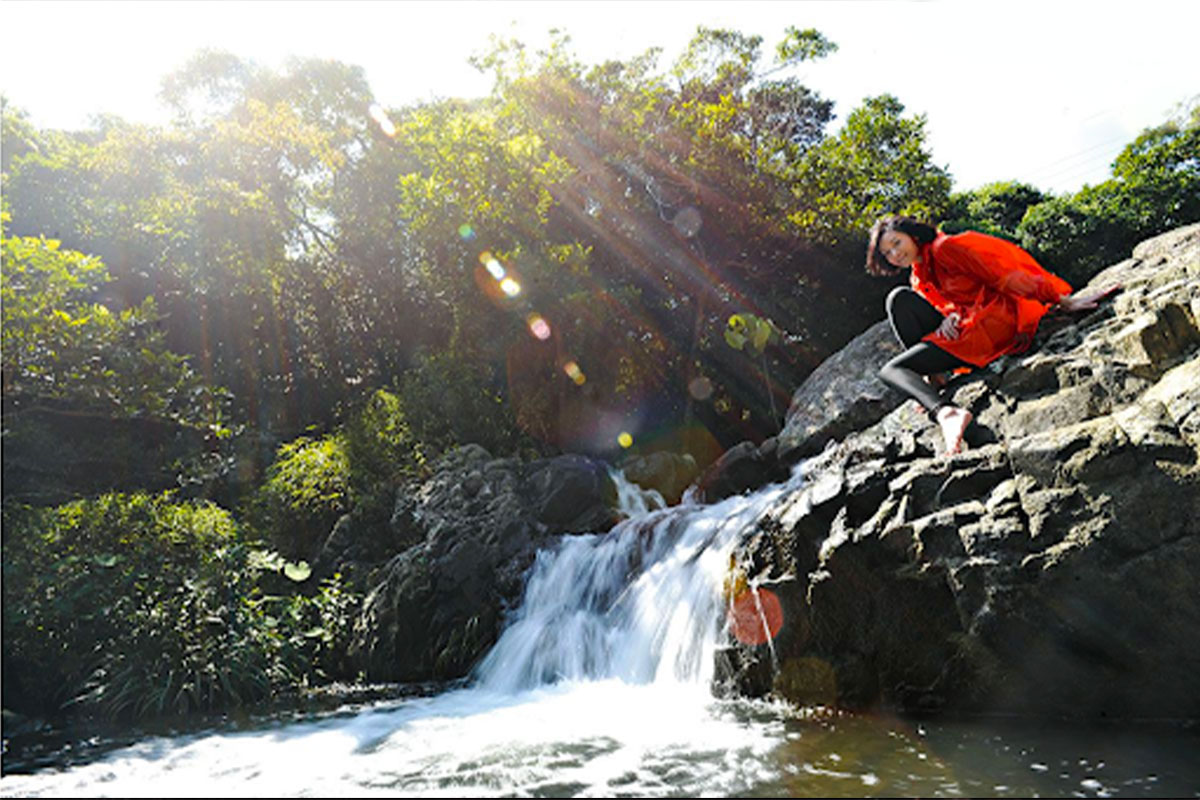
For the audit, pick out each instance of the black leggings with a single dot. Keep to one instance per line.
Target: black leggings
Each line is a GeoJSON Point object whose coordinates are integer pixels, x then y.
{"type": "Point", "coordinates": [912, 317]}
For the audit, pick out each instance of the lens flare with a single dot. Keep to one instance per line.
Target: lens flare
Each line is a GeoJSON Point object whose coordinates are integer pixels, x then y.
{"type": "Point", "coordinates": [700, 388]}
{"type": "Point", "coordinates": [509, 286]}
{"type": "Point", "coordinates": [538, 326]}
{"type": "Point", "coordinates": [574, 372]}
{"type": "Point", "coordinates": [625, 440]}
{"type": "Point", "coordinates": [492, 265]}
{"type": "Point", "coordinates": [687, 222]}
{"type": "Point", "coordinates": [466, 232]}
{"type": "Point", "coordinates": [381, 118]}
{"type": "Point", "coordinates": [755, 616]}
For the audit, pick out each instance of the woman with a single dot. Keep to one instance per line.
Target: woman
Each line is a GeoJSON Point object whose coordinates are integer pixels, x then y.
{"type": "Point", "coordinates": [973, 299]}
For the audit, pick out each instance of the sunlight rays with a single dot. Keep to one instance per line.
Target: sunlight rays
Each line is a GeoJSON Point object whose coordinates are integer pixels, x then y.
{"type": "Point", "coordinates": [661, 263]}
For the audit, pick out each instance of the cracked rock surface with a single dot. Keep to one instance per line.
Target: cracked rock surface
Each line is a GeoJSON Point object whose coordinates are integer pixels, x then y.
{"type": "Point", "coordinates": [1053, 568]}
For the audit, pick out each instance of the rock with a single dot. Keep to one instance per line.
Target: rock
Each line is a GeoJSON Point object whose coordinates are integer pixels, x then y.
{"type": "Point", "coordinates": [1049, 570]}
{"type": "Point", "coordinates": [742, 468]}
{"type": "Point", "coordinates": [53, 456]}
{"type": "Point", "coordinates": [477, 523]}
{"type": "Point", "coordinates": [573, 494]}
{"type": "Point", "coordinates": [669, 474]}
{"type": "Point", "coordinates": [841, 395]}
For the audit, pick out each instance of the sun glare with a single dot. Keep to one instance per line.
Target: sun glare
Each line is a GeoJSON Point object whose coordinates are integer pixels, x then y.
{"type": "Point", "coordinates": [382, 120]}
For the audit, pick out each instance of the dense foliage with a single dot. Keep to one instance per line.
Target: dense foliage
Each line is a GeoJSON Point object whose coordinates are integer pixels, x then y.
{"type": "Point", "coordinates": [305, 252]}
{"type": "Point", "coordinates": [299, 297]}
{"type": "Point", "coordinates": [64, 350]}
{"type": "Point", "coordinates": [140, 604]}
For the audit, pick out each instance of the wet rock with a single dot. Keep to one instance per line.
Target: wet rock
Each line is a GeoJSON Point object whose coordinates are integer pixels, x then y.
{"type": "Point", "coordinates": [669, 474]}
{"type": "Point", "coordinates": [1048, 570]}
{"type": "Point", "coordinates": [740, 469]}
{"type": "Point", "coordinates": [477, 522]}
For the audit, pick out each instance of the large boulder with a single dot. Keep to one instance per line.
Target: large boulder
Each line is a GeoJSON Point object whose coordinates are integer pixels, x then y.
{"type": "Point", "coordinates": [477, 523]}
{"type": "Point", "coordinates": [1050, 568]}
{"type": "Point", "coordinates": [670, 474]}
{"type": "Point", "coordinates": [843, 394]}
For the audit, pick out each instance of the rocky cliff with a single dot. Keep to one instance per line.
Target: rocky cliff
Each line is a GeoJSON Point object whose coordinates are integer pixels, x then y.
{"type": "Point", "coordinates": [1051, 568]}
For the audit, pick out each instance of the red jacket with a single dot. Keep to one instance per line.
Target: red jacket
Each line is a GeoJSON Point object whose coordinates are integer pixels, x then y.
{"type": "Point", "coordinates": [997, 288]}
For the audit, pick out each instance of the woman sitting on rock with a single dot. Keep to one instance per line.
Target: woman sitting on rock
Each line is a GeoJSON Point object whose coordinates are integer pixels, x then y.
{"type": "Point", "coordinates": [973, 299]}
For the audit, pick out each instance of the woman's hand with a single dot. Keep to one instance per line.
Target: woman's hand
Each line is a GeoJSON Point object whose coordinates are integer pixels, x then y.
{"type": "Point", "coordinates": [949, 328]}
{"type": "Point", "coordinates": [1085, 300]}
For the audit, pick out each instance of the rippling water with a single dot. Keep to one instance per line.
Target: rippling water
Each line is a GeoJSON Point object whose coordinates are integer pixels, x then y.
{"type": "Point", "coordinates": [611, 738]}
{"type": "Point", "coordinates": [599, 686]}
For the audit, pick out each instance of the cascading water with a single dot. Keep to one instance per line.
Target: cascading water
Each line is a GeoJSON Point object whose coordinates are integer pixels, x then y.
{"type": "Point", "coordinates": [640, 604]}
{"type": "Point", "coordinates": [601, 679]}
{"type": "Point", "coordinates": [600, 686]}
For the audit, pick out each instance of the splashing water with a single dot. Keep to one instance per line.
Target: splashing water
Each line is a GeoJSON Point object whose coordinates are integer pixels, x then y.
{"type": "Point", "coordinates": [598, 686]}
{"type": "Point", "coordinates": [600, 679]}
{"type": "Point", "coordinates": [640, 604]}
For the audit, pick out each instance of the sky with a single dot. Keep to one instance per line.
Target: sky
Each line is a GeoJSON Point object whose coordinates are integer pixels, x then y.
{"type": "Point", "coordinates": [1043, 92]}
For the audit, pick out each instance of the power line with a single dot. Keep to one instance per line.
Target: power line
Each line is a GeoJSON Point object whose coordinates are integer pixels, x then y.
{"type": "Point", "coordinates": [1080, 168]}
{"type": "Point", "coordinates": [1088, 156]}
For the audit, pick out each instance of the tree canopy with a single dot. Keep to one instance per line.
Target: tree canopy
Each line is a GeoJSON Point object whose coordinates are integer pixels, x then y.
{"type": "Point", "coordinates": [545, 267]}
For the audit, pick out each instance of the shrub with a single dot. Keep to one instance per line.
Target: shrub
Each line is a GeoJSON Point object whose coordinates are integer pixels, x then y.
{"type": "Point", "coordinates": [450, 401]}
{"type": "Point", "coordinates": [312, 482]}
{"type": "Point", "coordinates": [306, 489]}
{"type": "Point", "coordinates": [379, 446]}
{"type": "Point", "coordinates": [134, 605]}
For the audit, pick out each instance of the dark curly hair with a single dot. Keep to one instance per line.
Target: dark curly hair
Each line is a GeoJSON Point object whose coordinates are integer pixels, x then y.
{"type": "Point", "coordinates": [921, 232]}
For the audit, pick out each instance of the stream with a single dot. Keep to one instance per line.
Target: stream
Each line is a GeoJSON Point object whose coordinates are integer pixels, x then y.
{"type": "Point", "coordinates": [599, 686]}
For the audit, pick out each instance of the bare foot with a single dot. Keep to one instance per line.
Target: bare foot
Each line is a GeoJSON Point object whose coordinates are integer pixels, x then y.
{"type": "Point", "coordinates": [953, 421]}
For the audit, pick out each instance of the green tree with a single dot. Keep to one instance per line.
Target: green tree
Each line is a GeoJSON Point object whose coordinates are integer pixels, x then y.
{"type": "Point", "coordinates": [1155, 187]}
{"type": "Point", "coordinates": [308, 247]}
{"type": "Point", "coordinates": [65, 351]}
{"type": "Point", "coordinates": [878, 163]}
{"type": "Point", "coordinates": [996, 209]}
{"type": "Point", "coordinates": [676, 205]}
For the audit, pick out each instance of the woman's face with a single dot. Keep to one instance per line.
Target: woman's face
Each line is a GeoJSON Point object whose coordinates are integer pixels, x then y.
{"type": "Point", "coordinates": [898, 248]}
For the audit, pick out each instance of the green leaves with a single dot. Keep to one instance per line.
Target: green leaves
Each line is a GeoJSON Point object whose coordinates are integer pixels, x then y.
{"type": "Point", "coordinates": [60, 347]}
{"type": "Point", "coordinates": [744, 330]}
{"type": "Point", "coordinates": [297, 571]}
{"type": "Point", "coordinates": [996, 209]}
{"type": "Point", "coordinates": [803, 45]}
{"type": "Point", "coordinates": [753, 333]}
{"type": "Point", "coordinates": [137, 605]}
{"type": "Point", "coordinates": [878, 163]}
{"type": "Point", "coordinates": [306, 490]}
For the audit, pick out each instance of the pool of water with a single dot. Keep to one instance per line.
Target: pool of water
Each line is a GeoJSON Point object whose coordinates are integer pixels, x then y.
{"type": "Point", "coordinates": [613, 739]}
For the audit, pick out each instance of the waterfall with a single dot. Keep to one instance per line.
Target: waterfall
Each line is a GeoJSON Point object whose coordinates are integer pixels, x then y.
{"type": "Point", "coordinates": [598, 684]}
{"type": "Point", "coordinates": [640, 604]}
